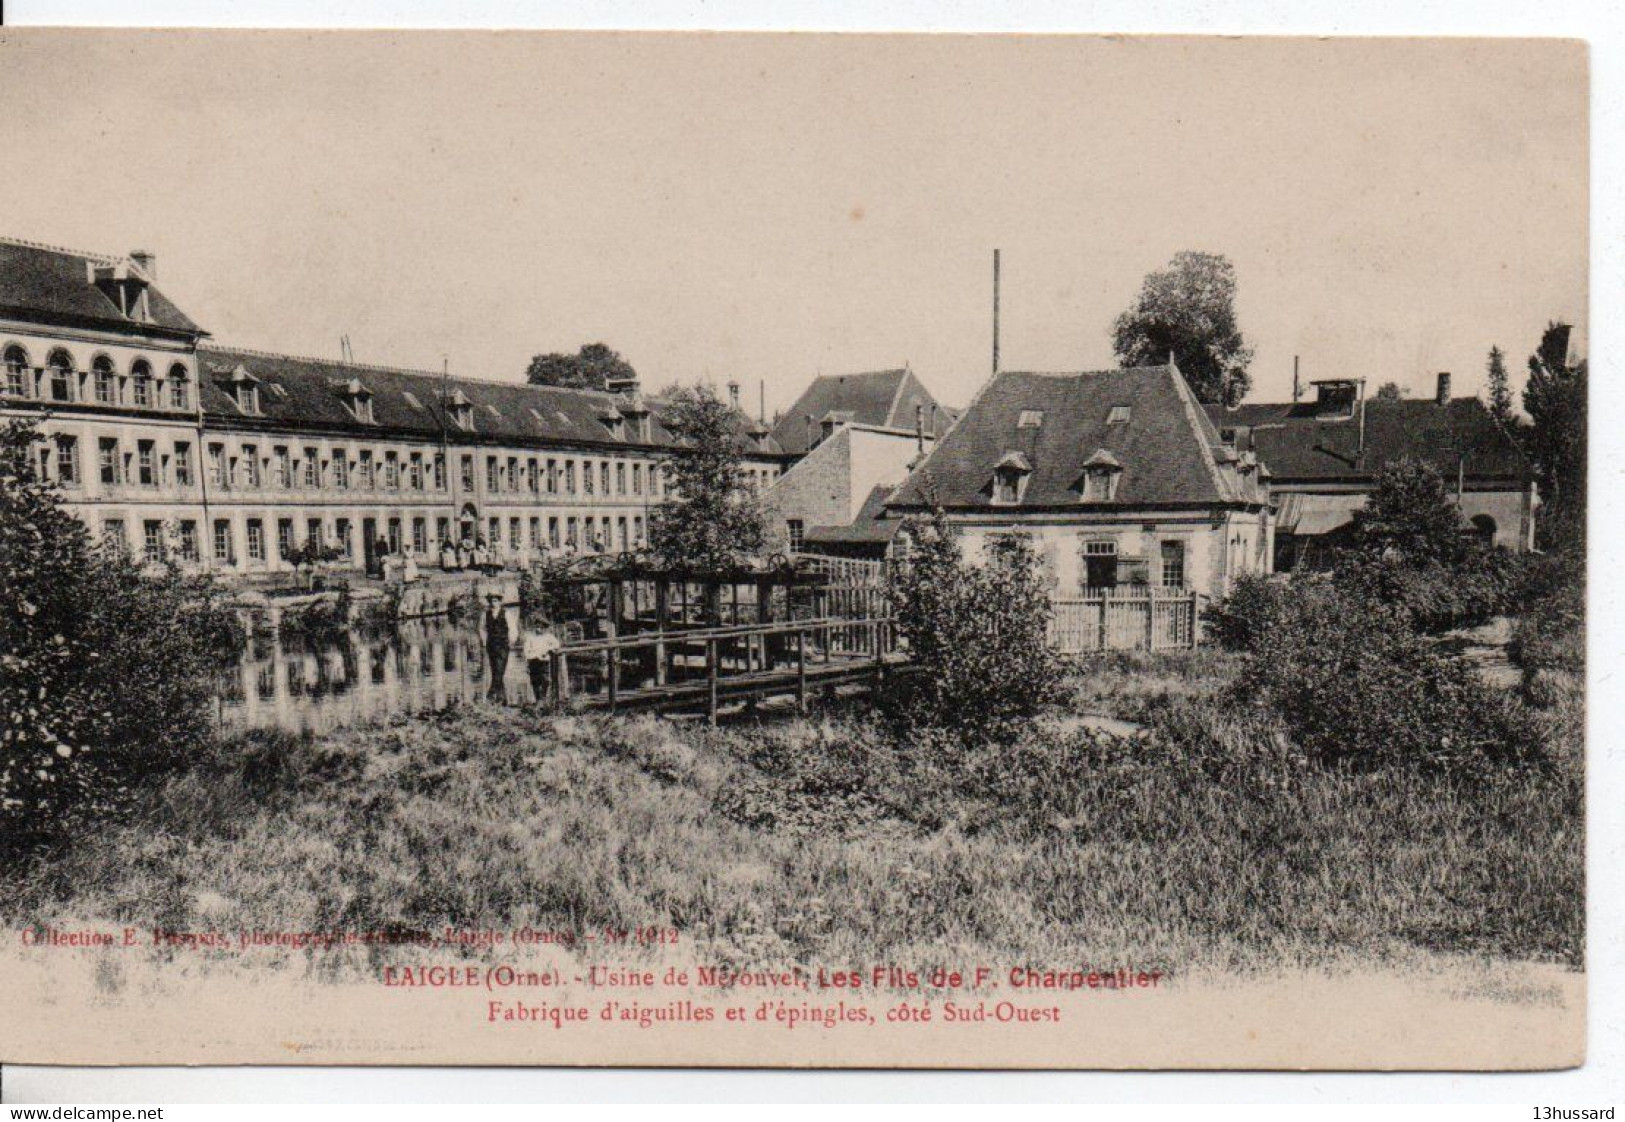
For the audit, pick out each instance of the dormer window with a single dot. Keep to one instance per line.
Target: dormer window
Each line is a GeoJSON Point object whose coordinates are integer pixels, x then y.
{"type": "Point", "coordinates": [248, 398]}
{"type": "Point", "coordinates": [613, 421]}
{"type": "Point", "coordinates": [461, 410]}
{"type": "Point", "coordinates": [1335, 398]}
{"type": "Point", "coordinates": [1118, 416]}
{"type": "Point", "coordinates": [357, 399]}
{"type": "Point", "coordinates": [1101, 472]}
{"type": "Point", "coordinates": [1010, 477]}
{"type": "Point", "coordinates": [241, 385]}
{"type": "Point", "coordinates": [1030, 419]}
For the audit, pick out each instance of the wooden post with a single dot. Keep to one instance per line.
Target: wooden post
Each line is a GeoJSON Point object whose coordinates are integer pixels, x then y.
{"type": "Point", "coordinates": [711, 681]}
{"type": "Point", "coordinates": [801, 671]}
{"type": "Point", "coordinates": [1150, 618]}
{"type": "Point", "coordinates": [612, 673]}
{"type": "Point", "coordinates": [561, 676]}
{"type": "Point", "coordinates": [1102, 629]}
{"type": "Point", "coordinates": [660, 662]}
{"type": "Point", "coordinates": [1195, 619]}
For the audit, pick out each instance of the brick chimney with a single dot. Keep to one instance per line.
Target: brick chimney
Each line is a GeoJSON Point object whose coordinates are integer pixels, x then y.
{"type": "Point", "coordinates": [146, 262]}
{"type": "Point", "coordinates": [1443, 396]}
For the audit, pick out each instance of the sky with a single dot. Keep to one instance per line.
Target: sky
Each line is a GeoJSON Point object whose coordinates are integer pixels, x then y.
{"type": "Point", "coordinates": [764, 208]}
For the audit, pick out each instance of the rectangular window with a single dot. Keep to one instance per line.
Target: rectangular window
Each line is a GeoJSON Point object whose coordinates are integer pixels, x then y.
{"type": "Point", "coordinates": [107, 458]}
{"type": "Point", "coordinates": [62, 383]}
{"type": "Point", "coordinates": [392, 471]}
{"type": "Point", "coordinates": [313, 532]}
{"type": "Point", "coordinates": [180, 393]}
{"type": "Point", "coordinates": [1006, 487]}
{"type": "Point", "coordinates": [341, 535]}
{"type": "Point", "coordinates": [570, 535]}
{"type": "Point", "coordinates": [569, 477]}
{"type": "Point", "coordinates": [341, 468]}
{"type": "Point", "coordinates": [364, 475]}
{"type": "Point", "coordinates": [553, 531]}
{"type": "Point", "coordinates": [510, 481]}
{"type": "Point", "coordinates": [637, 531]}
{"type": "Point", "coordinates": [415, 471]}
{"type": "Point", "coordinates": [67, 460]}
{"type": "Point", "coordinates": [284, 538]}
{"type": "Point", "coordinates": [797, 532]}
{"type": "Point", "coordinates": [152, 540]}
{"type": "Point", "coordinates": [183, 463]}
{"type": "Point", "coordinates": [637, 479]}
{"type": "Point", "coordinates": [603, 476]}
{"type": "Point", "coordinates": [113, 534]}
{"type": "Point", "coordinates": [256, 540]}
{"type": "Point", "coordinates": [420, 535]}
{"type": "Point", "coordinates": [442, 531]}
{"type": "Point", "coordinates": [222, 541]}
{"type": "Point", "coordinates": [468, 473]}
{"type": "Point", "coordinates": [514, 540]}
{"type": "Point", "coordinates": [1100, 565]}
{"type": "Point", "coordinates": [251, 473]}
{"type": "Point", "coordinates": [217, 465]}
{"type": "Point", "coordinates": [146, 463]}
{"type": "Point", "coordinates": [187, 534]}
{"type": "Point", "coordinates": [587, 486]}
{"type": "Point", "coordinates": [439, 472]}
{"type": "Point", "coordinates": [310, 465]}
{"type": "Point", "coordinates": [533, 478]}
{"type": "Point", "coordinates": [106, 387]}
{"type": "Point", "coordinates": [493, 534]}
{"type": "Point", "coordinates": [536, 533]}
{"type": "Point", "coordinates": [620, 534]}
{"type": "Point", "coordinates": [280, 474]}
{"type": "Point", "coordinates": [552, 477]}
{"type": "Point", "coordinates": [620, 479]}
{"type": "Point", "coordinates": [394, 535]}
{"type": "Point", "coordinates": [1173, 564]}
{"type": "Point", "coordinates": [491, 469]}
{"type": "Point", "coordinates": [1119, 415]}
{"type": "Point", "coordinates": [16, 374]}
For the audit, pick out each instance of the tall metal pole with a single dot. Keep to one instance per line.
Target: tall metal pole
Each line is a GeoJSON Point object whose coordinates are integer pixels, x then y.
{"type": "Point", "coordinates": [445, 445]}
{"type": "Point", "coordinates": [995, 311]}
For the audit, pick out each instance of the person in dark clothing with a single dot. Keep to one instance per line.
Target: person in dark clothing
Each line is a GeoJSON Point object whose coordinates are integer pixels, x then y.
{"type": "Point", "coordinates": [498, 639]}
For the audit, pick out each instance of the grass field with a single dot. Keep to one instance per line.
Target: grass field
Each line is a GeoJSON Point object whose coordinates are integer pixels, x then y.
{"type": "Point", "coordinates": [820, 840]}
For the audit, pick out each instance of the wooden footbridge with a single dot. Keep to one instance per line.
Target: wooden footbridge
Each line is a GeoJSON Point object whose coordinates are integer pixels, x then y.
{"type": "Point", "coordinates": [646, 637]}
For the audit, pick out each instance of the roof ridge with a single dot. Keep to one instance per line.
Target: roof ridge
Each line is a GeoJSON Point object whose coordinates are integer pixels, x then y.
{"type": "Point", "coordinates": [414, 370]}
{"type": "Point", "coordinates": [49, 248]}
{"type": "Point", "coordinates": [1194, 416]}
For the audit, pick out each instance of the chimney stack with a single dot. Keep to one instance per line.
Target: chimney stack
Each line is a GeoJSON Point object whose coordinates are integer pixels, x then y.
{"type": "Point", "coordinates": [1443, 396]}
{"type": "Point", "coordinates": [146, 262]}
{"type": "Point", "coordinates": [733, 395]}
{"type": "Point", "coordinates": [919, 428]}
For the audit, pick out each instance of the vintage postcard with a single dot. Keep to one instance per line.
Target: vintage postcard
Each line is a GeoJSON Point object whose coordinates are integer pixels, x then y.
{"type": "Point", "coordinates": [792, 550]}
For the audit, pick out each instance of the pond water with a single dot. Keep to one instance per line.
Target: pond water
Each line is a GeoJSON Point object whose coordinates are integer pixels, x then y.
{"type": "Point", "coordinates": [322, 682]}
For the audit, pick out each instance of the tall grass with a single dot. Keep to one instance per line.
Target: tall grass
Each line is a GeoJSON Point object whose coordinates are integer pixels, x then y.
{"type": "Point", "coordinates": [820, 840]}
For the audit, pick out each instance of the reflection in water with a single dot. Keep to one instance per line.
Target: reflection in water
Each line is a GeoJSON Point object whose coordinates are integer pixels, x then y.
{"type": "Point", "coordinates": [318, 683]}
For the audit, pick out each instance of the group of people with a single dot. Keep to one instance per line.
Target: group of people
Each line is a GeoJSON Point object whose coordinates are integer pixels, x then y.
{"type": "Point", "coordinates": [537, 646]}
{"type": "Point", "coordinates": [469, 554]}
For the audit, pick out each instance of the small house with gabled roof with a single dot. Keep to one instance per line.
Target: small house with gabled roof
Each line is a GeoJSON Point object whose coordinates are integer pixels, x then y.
{"type": "Point", "coordinates": [1118, 476]}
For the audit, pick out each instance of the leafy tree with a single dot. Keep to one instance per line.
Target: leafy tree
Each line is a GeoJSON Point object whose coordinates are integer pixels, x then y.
{"type": "Point", "coordinates": [1500, 403]}
{"type": "Point", "coordinates": [1390, 391]}
{"type": "Point", "coordinates": [1410, 512]}
{"type": "Point", "coordinates": [1555, 399]}
{"type": "Point", "coordinates": [590, 368]}
{"type": "Point", "coordinates": [1189, 310]}
{"type": "Point", "coordinates": [106, 665]}
{"type": "Point", "coordinates": [711, 518]}
{"type": "Point", "coordinates": [977, 635]}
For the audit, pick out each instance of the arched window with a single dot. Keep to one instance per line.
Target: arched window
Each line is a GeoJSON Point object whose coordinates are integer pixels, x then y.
{"type": "Point", "coordinates": [106, 380]}
{"type": "Point", "coordinates": [16, 371]}
{"type": "Point", "coordinates": [60, 375]}
{"type": "Point", "coordinates": [180, 389]}
{"type": "Point", "coordinates": [141, 382]}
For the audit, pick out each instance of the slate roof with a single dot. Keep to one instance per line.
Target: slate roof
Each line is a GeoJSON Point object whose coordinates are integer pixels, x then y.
{"type": "Point", "coordinates": [308, 393]}
{"type": "Point", "coordinates": [1300, 445]}
{"type": "Point", "coordinates": [52, 285]}
{"type": "Point", "coordinates": [1169, 449]}
{"type": "Point", "coordinates": [883, 398]}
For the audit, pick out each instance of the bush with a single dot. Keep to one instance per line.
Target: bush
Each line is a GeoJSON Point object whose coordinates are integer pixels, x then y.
{"type": "Point", "coordinates": [1356, 686]}
{"type": "Point", "coordinates": [1473, 588]}
{"type": "Point", "coordinates": [106, 666]}
{"type": "Point", "coordinates": [977, 637]}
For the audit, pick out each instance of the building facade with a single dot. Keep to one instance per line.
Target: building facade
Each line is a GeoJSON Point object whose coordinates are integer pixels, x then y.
{"type": "Point", "coordinates": [1327, 452]}
{"type": "Point", "coordinates": [832, 500]}
{"type": "Point", "coordinates": [1116, 477]}
{"type": "Point", "coordinates": [237, 460]}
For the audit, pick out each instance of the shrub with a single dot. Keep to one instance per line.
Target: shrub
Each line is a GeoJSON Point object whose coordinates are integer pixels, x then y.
{"type": "Point", "coordinates": [1256, 605]}
{"type": "Point", "coordinates": [1435, 596]}
{"type": "Point", "coordinates": [1355, 685]}
{"type": "Point", "coordinates": [106, 667]}
{"type": "Point", "coordinates": [977, 637]}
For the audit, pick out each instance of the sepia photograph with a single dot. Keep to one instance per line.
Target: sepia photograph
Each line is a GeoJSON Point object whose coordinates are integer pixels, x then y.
{"type": "Point", "coordinates": [793, 550]}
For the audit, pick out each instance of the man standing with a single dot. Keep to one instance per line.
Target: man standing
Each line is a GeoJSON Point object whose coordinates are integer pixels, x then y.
{"type": "Point", "coordinates": [497, 642]}
{"type": "Point", "coordinates": [539, 645]}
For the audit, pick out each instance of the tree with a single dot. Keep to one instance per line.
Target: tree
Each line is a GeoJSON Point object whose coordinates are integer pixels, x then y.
{"type": "Point", "coordinates": [711, 518]}
{"type": "Point", "coordinates": [1500, 403]}
{"type": "Point", "coordinates": [106, 665]}
{"type": "Point", "coordinates": [1390, 391]}
{"type": "Point", "coordinates": [1188, 310]}
{"type": "Point", "coordinates": [1555, 399]}
{"type": "Point", "coordinates": [977, 635]}
{"type": "Point", "coordinates": [590, 368]}
{"type": "Point", "coordinates": [1410, 511]}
